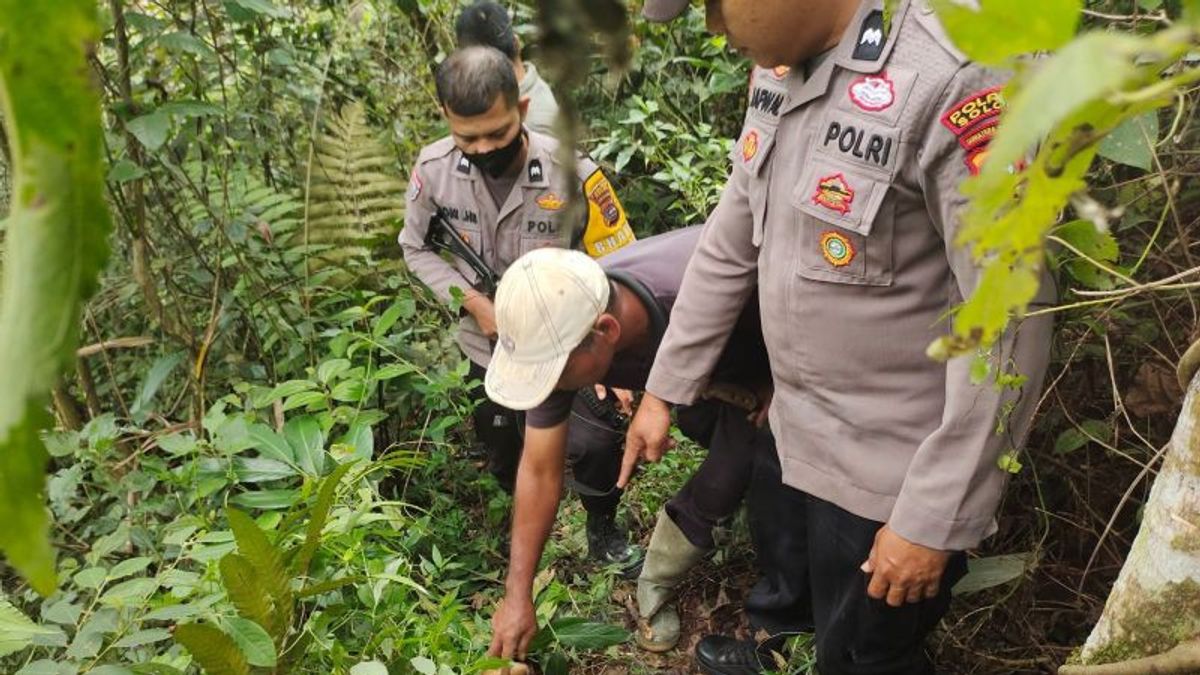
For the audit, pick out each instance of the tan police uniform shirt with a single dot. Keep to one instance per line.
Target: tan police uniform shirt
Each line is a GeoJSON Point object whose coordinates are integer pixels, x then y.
{"type": "Point", "coordinates": [531, 217]}
{"type": "Point", "coordinates": [842, 207]}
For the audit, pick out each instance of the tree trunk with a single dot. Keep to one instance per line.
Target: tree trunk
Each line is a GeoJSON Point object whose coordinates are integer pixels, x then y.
{"type": "Point", "coordinates": [1154, 607]}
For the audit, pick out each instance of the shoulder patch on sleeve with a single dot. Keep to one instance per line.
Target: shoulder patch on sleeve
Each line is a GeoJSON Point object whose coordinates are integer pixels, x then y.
{"type": "Point", "coordinates": [414, 185]}
{"type": "Point", "coordinates": [973, 120]}
{"type": "Point", "coordinates": [607, 226]}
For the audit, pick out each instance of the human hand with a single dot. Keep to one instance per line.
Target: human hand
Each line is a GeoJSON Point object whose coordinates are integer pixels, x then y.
{"type": "Point", "coordinates": [513, 627]}
{"type": "Point", "coordinates": [902, 571]}
{"type": "Point", "coordinates": [481, 308]}
{"type": "Point", "coordinates": [624, 398]}
{"type": "Point", "coordinates": [647, 437]}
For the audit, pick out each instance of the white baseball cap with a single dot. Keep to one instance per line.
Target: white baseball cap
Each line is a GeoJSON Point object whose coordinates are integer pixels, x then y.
{"type": "Point", "coordinates": [546, 304]}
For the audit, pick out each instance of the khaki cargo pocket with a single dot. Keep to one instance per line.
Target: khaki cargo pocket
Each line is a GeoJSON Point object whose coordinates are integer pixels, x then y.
{"type": "Point", "coordinates": [475, 239]}
{"type": "Point", "coordinates": [845, 225]}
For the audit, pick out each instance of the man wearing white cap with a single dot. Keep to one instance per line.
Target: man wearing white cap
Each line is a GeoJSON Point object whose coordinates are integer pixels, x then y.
{"type": "Point", "coordinates": [567, 322]}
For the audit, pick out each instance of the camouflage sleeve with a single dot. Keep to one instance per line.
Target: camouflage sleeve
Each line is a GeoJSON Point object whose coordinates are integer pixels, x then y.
{"type": "Point", "coordinates": [607, 228]}
{"type": "Point", "coordinates": [439, 275]}
{"type": "Point", "coordinates": [954, 482]}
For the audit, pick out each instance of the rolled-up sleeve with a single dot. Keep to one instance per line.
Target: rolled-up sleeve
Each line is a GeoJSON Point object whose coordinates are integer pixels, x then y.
{"type": "Point", "coordinates": [720, 278]}
{"type": "Point", "coordinates": [439, 275]}
{"type": "Point", "coordinates": [954, 483]}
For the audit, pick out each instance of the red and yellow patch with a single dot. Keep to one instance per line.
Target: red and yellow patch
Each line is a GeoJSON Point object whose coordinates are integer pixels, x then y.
{"type": "Point", "coordinates": [550, 201]}
{"type": "Point", "coordinates": [414, 186]}
{"type": "Point", "coordinates": [974, 121]}
{"type": "Point", "coordinates": [978, 107]}
{"type": "Point", "coordinates": [837, 248]}
{"type": "Point", "coordinates": [834, 193]}
{"type": "Point", "coordinates": [781, 72]}
{"type": "Point", "coordinates": [750, 145]}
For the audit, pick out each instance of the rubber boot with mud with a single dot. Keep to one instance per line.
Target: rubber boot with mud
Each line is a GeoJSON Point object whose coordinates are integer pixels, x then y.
{"type": "Point", "coordinates": [668, 559]}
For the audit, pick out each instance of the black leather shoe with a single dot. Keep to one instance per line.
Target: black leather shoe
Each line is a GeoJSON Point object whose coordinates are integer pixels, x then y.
{"type": "Point", "coordinates": [722, 655]}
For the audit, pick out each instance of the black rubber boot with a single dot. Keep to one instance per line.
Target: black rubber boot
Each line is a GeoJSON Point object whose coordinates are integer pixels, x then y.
{"type": "Point", "coordinates": [608, 544]}
{"type": "Point", "coordinates": [722, 655]}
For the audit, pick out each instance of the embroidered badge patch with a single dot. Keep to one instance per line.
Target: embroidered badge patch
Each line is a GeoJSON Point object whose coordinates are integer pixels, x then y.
{"type": "Point", "coordinates": [464, 165]}
{"type": "Point", "coordinates": [535, 171]}
{"type": "Point", "coordinates": [873, 93]}
{"type": "Point", "coordinates": [414, 187]}
{"type": "Point", "coordinates": [750, 145]}
{"type": "Point", "coordinates": [834, 193]}
{"type": "Point", "coordinates": [837, 249]}
{"type": "Point", "coordinates": [871, 38]}
{"type": "Point", "coordinates": [974, 120]}
{"type": "Point", "coordinates": [550, 201]}
{"type": "Point", "coordinates": [973, 110]}
{"type": "Point", "coordinates": [600, 193]}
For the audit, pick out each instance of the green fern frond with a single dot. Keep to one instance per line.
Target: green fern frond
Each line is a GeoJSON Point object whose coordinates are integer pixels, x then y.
{"type": "Point", "coordinates": [213, 650]}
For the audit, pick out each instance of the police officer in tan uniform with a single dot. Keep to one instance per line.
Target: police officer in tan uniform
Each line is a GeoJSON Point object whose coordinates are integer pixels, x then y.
{"type": "Point", "coordinates": [500, 187]}
{"type": "Point", "coordinates": [842, 209]}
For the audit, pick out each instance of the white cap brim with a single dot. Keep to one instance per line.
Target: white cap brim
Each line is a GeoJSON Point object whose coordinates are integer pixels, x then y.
{"type": "Point", "coordinates": [521, 386]}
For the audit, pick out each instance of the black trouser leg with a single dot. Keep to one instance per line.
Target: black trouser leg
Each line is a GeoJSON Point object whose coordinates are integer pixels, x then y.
{"type": "Point", "coordinates": [595, 438]}
{"type": "Point", "coordinates": [857, 635]}
{"type": "Point", "coordinates": [501, 431]}
{"type": "Point", "coordinates": [780, 602]}
{"type": "Point", "coordinates": [713, 493]}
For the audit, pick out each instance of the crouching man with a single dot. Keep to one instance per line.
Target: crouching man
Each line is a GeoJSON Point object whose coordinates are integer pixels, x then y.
{"type": "Point", "coordinates": [566, 322]}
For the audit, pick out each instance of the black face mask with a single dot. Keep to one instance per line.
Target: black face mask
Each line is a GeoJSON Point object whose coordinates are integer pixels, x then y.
{"type": "Point", "coordinates": [495, 162]}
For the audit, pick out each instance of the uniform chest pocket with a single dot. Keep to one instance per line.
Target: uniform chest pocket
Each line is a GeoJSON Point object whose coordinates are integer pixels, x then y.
{"type": "Point", "coordinates": [536, 241]}
{"type": "Point", "coordinates": [846, 225]}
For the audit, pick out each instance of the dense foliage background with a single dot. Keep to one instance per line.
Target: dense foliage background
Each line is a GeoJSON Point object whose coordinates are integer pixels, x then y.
{"type": "Point", "coordinates": [257, 349]}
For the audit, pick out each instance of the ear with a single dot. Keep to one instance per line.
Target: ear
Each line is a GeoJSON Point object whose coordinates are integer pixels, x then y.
{"type": "Point", "coordinates": [523, 107]}
{"type": "Point", "coordinates": [609, 329]}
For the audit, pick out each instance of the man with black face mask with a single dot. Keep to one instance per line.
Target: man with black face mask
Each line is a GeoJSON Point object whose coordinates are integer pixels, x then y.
{"type": "Point", "coordinates": [499, 185]}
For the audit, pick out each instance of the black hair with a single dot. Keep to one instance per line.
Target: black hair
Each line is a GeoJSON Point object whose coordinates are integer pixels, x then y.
{"type": "Point", "coordinates": [486, 23]}
{"type": "Point", "coordinates": [471, 78]}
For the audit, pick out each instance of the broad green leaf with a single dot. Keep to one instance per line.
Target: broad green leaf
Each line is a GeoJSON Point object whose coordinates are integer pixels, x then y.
{"type": "Point", "coordinates": [1095, 244]}
{"type": "Point", "coordinates": [124, 171]}
{"type": "Point", "coordinates": [254, 641]}
{"type": "Point", "coordinates": [394, 370]}
{"type": "Point", "coordinates": [587, 635]}
{"type": "Point", "coordinates": [287, 389]}
{"type": "Point", "coordinates": [984, 573]}
{"type": "Point", "coordinates": [1002, 29]}
{"type": "Point", "coordinates": [16, 630]}
{"type": "Point", "coordinates": [49, 667]}
{"type": "Point", "coordinates": [369, 668]}
{"type": "Point", "coordinates": [154, 380]}
{"type": "Point", "coordinates": [1132, 143]}
{"type": "Point", "coordinates": [261, 469]}
{"type": "Point", "coordinates": [304, 399]}
{"type": "Point", "coordinates": [423, 665]}
{"type": "Point", "coordinates": [190, 108]}
{"type": "Point", "coordinates": [349, 391]}
{"type": "Point", "coordinates": [328, 370]}
{"type": "Point", "coordinates": [129, 593]}
{"type": "Point", "coordinates": [270, 444]}
{"type": "Point", "coordinates": [91, 578]}
{"type": "Point", "coordinates": [127, 567]}
{"type": "Point", "coordinates": [115, 670]}
{"type": "Point", "coordinates": [357, 444]}
{"type": "Point", "coordinates": [185, 43]}
{"type": "Point", "coordinates": [386, 320]}
{"type": "Point", "coordinates": [177, 444]}
{"type": "Point", "coordinates": [150, 130]}
{"type": "Point", "coordinates": [213, 650]}
{"type": "Point", "coordinates": [262, 7]}
{"type": "Point", "coordinates": [307, 441]}
{"type": "Point", "coordinates": [142, 637]}
{"type": "Point", "coordinates": [266, 499]}
{"type": "Point", "coordinates": [56, 243]}
{"type": "Point", "coordinates": [556, 664]}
